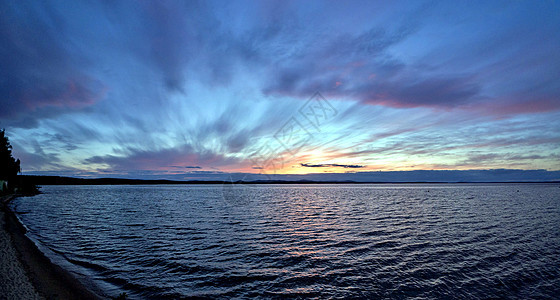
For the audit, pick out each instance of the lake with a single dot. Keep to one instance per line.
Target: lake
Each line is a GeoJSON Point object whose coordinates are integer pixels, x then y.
{"type": "Point", "coordinates": [466, 241]}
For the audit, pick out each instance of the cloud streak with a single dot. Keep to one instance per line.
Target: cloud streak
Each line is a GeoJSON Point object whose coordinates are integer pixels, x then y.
{"type": "Point", "coordinates": [162, 159]}
{"type": "Point", "coordinates": [331, 165]}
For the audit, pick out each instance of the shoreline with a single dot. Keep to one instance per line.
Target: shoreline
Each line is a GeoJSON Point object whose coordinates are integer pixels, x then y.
{"type": "Point", "coordinates": [47, 280]}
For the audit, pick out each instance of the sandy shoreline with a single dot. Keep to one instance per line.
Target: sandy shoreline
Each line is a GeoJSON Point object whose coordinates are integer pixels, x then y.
{"type": "Point", "coordinates": [29, 274]}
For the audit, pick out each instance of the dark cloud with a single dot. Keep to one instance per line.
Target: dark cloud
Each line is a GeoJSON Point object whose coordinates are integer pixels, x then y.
{"type": "Point", "coordinates": [462, 73]}
{"type": "Point", "coordinates": [432, 92]}
{"type": "Point", "coordinates": [327, 63]}
{"type": "Point", "coordinates": [186, 167]}
{"type": "Point", "coordinates": [359, 67]}
{"type": "Point", "coordinates": [40, 74]}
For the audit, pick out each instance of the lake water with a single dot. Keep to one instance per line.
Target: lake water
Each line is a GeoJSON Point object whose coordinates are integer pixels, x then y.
{"type": "Point", "coordinates": [465, 241]}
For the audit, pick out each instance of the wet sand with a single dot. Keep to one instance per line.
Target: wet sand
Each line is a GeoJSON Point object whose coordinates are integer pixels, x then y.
{"type": "Point", "coordinates": [26, 272]}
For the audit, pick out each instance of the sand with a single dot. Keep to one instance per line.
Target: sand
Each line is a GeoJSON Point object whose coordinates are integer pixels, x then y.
{"type": "Point", "coordinates": [25, 272]}
{"type": "Point", "coordinates": [14, 283]}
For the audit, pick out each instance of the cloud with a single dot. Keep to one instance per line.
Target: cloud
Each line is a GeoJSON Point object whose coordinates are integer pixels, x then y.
{"type": "Point", "coordinates": [161, 159]}
{"type": "Point", "coordinates": [40, 75]}
{"type": "Point", "coordinates": [177, 34]}
{"type": "Point", "coordinates": [529, 104]}
{"type": "Point", "coordinates": [331, 165]}
{"type": "Point", "coordinates": [57, 59]}
{"type": "Point", "coordinates": [186, 167]}
{"type": "Point", "coordinates": [456, 72]}
{"type": "Point", "coordinates": [38, 159]}
{"type": "Point", "coordinates": [360, 67]}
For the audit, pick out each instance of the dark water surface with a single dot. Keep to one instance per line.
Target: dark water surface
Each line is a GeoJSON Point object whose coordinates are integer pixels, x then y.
{"type": "Point", "coordinates": [325, 241]}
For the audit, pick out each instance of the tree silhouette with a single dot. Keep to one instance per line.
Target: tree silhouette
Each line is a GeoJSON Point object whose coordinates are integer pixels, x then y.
{"type": "Point", "coordinates": [9, 167]}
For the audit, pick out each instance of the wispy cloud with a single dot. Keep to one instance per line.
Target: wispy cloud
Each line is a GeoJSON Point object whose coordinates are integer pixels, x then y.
{"type": "Point", "coordinates": [136, 159]}
{"type": "Point", "coordinates": [331, 165]}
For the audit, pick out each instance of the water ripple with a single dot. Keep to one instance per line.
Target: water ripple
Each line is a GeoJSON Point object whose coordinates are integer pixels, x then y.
{"type": "Point", "coordinates": [317, 241]}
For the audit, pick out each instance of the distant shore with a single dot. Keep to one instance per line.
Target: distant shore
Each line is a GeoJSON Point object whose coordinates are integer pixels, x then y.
{"type": "Point", "coordinates": [61, 180]}
{"type": "Point", "coordinates": [31, 275]}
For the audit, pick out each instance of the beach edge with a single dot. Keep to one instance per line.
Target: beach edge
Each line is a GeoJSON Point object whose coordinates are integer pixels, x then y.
{"type": "Point", "coordinates": [49, 279]}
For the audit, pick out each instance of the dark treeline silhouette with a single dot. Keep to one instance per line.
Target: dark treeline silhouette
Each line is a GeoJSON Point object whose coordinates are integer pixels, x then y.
{"type": "Point", "coordinates": [10, 167]}
{"type": "Point", "coordinates": [61, 180]}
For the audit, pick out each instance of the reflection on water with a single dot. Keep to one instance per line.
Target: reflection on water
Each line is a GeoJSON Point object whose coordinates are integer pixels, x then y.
{"type": "Point", "coordinates": [424, 241]}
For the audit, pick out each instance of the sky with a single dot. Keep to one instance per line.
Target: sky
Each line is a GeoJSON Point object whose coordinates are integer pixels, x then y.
{"type": "Point", "coordinates": [186, 89]}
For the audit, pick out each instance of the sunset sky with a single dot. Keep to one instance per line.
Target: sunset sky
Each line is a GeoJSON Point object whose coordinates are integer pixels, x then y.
{"type": "Point", "coordinates": [185, 90]}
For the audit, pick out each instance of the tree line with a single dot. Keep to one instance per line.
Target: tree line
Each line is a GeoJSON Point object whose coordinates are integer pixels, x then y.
{"type": "Point", "coordinates": [9, 170]}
